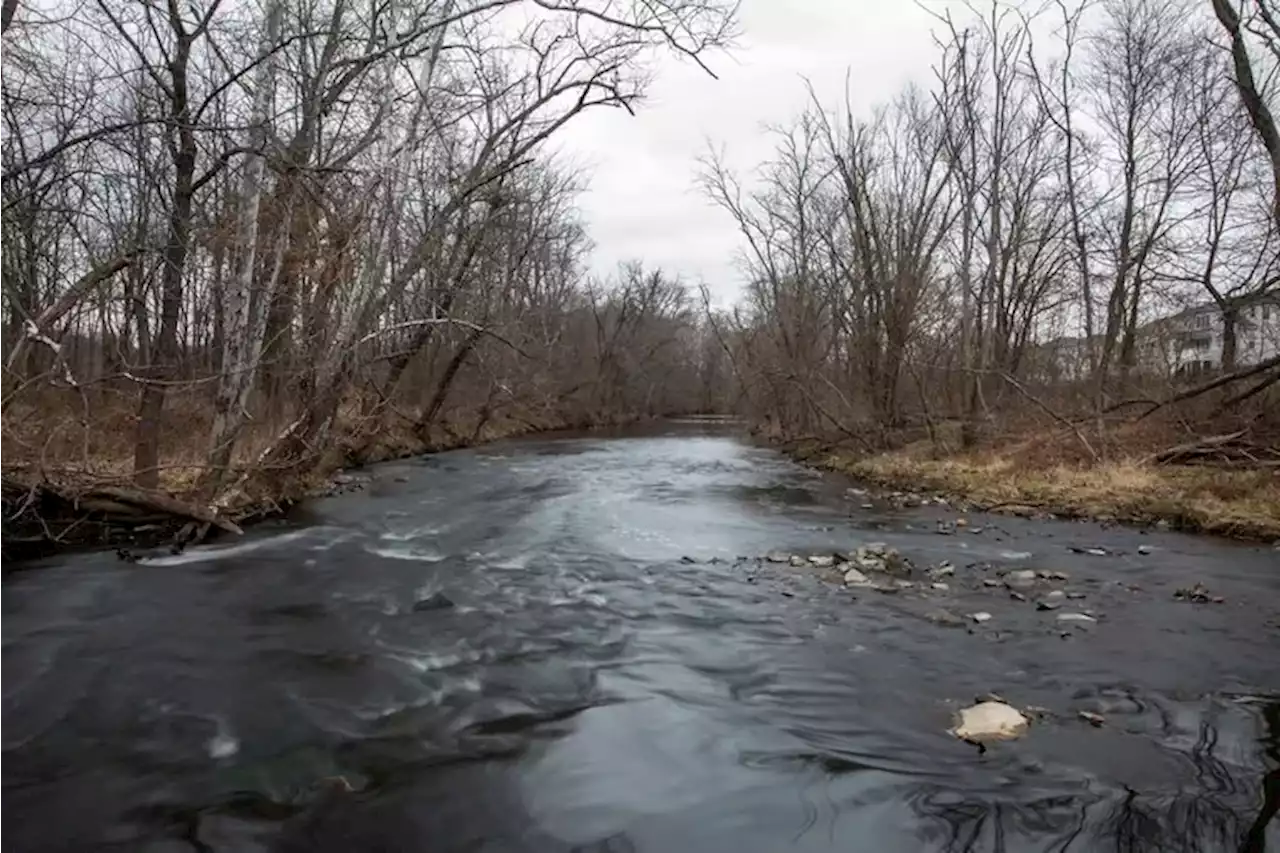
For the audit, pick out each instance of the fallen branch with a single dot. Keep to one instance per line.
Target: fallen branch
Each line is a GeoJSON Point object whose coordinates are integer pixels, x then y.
{"type": "Point", "coordinates": [35, 326]}
{"type": "Point", "coordinates": [1198, 447]}
{"type": "Point", "coordinates": [159, 503]}
{"type": "Point", "coordinates": [1051, 413]}
{"type": "Point", "coordinates": [1206, 387]}
{"type": "Point", "coordinates": [441, 321]}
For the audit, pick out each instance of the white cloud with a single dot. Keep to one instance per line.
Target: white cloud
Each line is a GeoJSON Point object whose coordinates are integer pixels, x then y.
{"type": "Point", "coordinates": [642, 201]}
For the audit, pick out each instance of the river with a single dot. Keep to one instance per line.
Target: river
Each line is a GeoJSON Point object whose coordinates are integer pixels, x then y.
{"type": "Point", "coordinates": [552, 645]}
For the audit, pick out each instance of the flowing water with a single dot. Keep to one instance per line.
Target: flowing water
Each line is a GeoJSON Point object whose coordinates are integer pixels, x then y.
{"type": "Point", "coordinates": [552, 645]}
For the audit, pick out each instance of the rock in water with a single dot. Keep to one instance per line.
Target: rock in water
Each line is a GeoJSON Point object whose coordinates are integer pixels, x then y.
{"type": "Point", "coordinates": [777, 557]}
{"type": "Point", "coordinates": [1021, 579]}
{"type": "Point", "coordinates": [798, 562]}
{"type": "Point", "coordinates": [435, 601]}
{"type": "Point", "coordinates": [980, 617]}
{"type": "Point", "coordinates": [945, 618]}
{"type": "Point", "coordinates": [1076, 617]}
{"type": "Point", "coordinates": [942, 570]}
{"type": "Point", "coordinates": [1095, 720]}
{"type": "Point", "coordinates": [988, 721]}
{"type": "Point", "coordinates": [853, 577]}
{"type": "Point", "coordinates": [822, 561]}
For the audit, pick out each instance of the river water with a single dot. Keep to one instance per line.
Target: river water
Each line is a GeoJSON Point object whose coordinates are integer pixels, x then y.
{"type": "Point", "coordinates": [552, 645]}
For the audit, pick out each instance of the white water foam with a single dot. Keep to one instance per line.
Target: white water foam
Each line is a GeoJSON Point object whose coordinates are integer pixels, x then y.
{"type": "Point", "coordinates": [208, 554]}
{"type": "Point", "coordinates": [413, 554]}
{"type": "Point", "coordinates": [224, 744]}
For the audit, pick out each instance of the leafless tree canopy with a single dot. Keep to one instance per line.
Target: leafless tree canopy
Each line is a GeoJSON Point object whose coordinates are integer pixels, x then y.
{"type": "Point", "coordinates": [1075, 216]}
{"type": "Point", "coordinates": [239, 236]}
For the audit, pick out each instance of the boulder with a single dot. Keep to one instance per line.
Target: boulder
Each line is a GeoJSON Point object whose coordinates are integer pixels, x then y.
{"type": "Point", "coordinates": [980, 617]}
{"type": "Point", "coordinates": [822, 561]}
{"type": "Point", "coordinates": [990, 721]}
{"type": "Point", "coordinates": [777, 557]}
{"type": "Point", "coordinates": [798, 562]}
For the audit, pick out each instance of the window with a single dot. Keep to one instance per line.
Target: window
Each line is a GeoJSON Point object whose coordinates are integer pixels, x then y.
{"type": "Point", "coordinates": [1202, 321]}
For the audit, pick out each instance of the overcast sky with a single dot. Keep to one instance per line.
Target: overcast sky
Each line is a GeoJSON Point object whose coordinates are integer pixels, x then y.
{"type": "Point", "coordinates": [642, 202]}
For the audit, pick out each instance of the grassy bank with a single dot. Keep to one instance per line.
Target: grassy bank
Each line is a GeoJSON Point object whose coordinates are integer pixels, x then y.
{"type": "Point", "coordinates": [1237, 503]}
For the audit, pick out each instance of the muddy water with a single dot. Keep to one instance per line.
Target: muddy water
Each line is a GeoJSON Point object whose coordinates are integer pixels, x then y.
{"type": "Point", "coordinates": [505, 650]}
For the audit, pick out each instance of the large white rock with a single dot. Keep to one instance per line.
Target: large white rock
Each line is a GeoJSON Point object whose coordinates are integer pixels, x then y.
{"type": "Point", "coordinates": [989, 721]}
{"type": "Point", "coordinates": [822, 561]}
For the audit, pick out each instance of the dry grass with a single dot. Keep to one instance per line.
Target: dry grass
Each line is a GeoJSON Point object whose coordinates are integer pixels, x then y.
{"type": "Point", "coordinates": [1239, 503]}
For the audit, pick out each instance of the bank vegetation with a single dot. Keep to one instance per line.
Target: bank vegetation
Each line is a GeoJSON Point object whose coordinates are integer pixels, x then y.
{"type": "Point", "coordinates": [1049, 277]}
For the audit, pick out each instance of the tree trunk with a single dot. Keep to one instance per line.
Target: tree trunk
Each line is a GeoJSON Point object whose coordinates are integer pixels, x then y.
{"type": "Point", "coordinates": [243, 324]}
{"type": "Point", "coordinates": [146, 453]}
{"type": "Point", "coordinates": [1230, 321]}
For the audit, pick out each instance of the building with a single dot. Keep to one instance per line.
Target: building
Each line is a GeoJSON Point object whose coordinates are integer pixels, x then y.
{"type": "Point", "coordinates": [1198, 333]}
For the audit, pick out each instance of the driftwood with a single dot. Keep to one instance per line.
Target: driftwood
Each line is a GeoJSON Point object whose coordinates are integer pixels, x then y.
{"type": "Point", "coordinates": [1230, 450]}
{"type": "Point", "coordinates": [160, 503]}
{"type": "Point", "coordinates": [40, 518]}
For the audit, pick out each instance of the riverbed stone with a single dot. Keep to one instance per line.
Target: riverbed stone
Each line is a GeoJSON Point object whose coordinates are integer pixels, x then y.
{"type": "Point", "coordinates": [1095, 720]}
{"type": "Point", "coordinates": [1198, 594]}
{"type": "Point", "coordinates": [798, 562]}
{"type": "Point", "coordinates": [942, 570]}
{"type": "Point", "coordinates": [853, 577]}
{"type": "Point", "coordinates": [435, 601]}
{"type": "Point", "coordinates": [945, 618]}
{"type": "Point", "coordinates": [777, 557]}
{"type": "Point", "coordinates": [980, 617]}
{"type": "Point", "coordinates": [822, 561]}
{"type": "Point", "coordinates": [990, 721]}
{"type": "Point", "coordinates": [868, 563]}
{"type": "Point", "coordinates": [1079, 618]}
{"type": "Point", "coordinates": [1020, 579]}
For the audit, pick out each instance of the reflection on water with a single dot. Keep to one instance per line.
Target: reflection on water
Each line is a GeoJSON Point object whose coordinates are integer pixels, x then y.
{"type": "Point", "coordinates": [554, 646]}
